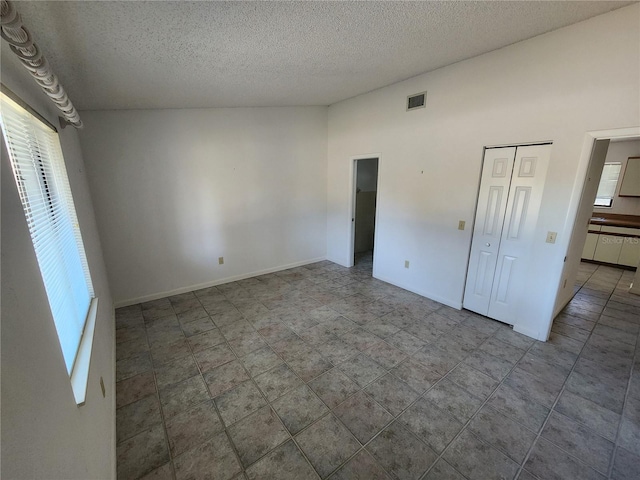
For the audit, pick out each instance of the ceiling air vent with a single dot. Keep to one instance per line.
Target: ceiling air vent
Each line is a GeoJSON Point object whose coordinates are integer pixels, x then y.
{"type": "Point", "coordinates": [416, 101]}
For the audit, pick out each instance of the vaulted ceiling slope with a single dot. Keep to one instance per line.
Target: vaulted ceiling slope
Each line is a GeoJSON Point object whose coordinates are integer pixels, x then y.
{"type": "Point", "coordinates": [130, 55]}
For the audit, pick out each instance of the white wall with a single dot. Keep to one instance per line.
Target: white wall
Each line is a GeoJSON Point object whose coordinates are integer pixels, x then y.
{"type": "Point", "coordinates": [619, 152]}
{"type": "Point", "coordinates": [176, 189]}
{"type": "Point", "coordinates": [555, 87]}
{"type": "Point", "coordinates": [44, 433]}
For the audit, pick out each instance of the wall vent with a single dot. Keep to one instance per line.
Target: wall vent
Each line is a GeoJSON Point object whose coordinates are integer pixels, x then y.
{"type": "Point", "coordinates": [416, 101]}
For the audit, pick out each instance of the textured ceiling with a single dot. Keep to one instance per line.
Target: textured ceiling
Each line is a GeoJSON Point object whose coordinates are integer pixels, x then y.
{"type": "Point", "coordinates": [124, 55]}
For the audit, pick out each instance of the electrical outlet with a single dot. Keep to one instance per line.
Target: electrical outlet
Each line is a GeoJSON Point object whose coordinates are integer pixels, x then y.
{"type": "Point", "coordinates": [461, 224]}
{"type": "Point", "coordinates": [551, 237]}
{"type": "Point", "coordinates": [406, 264]}
{"type": "Point", "coordinates": [220, 260]}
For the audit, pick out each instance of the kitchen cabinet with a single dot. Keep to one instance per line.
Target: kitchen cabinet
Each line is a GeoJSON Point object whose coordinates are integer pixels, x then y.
{"type": "Point", "coordinates": [608, 248]}
{"type": "Point", "coordinates": [591, 242]}
{"type": "Point", "coordinates": [613, 244]}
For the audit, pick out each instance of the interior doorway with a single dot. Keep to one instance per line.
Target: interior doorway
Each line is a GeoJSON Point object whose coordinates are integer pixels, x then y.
{"type": "Point", "coordinates": [593, 159]}
{"type": "Point", "coordinates": [363, 219]}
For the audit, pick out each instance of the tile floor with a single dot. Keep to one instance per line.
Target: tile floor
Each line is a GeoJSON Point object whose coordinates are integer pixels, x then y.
{"type": "Point", "coordinates": [323, 372]}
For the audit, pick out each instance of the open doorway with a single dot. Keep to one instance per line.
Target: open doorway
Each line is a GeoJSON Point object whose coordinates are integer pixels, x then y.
{"type": "Point", "coordinates": [584, 238]}
{"type": "Point", "coordinates": [365, 191]}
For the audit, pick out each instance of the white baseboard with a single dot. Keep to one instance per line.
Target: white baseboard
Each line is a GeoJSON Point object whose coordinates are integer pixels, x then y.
{"type": "Point", "coordinates": [339, 262]}
{"type": "Point", "coordinates": [529, 332]}
{"type": "Point", "coordinates": [445, 301]}
{"type": "Point", "coordinates": [235, 278]}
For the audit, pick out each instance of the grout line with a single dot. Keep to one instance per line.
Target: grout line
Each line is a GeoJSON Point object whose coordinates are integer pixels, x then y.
{"type": "Point", "coordinates": [636, 356]}
{"type": "Point", "coordinates": [485, 402]}
{"type": "Point", "coordinates": [552, 410]}
{"type": "Point", "coordinates": [370, 297]}
{"type": "Point", "coordinates": [201, 375]}
{"type": "Point", "coordinates": [329, 410]}
{"type": "Point", "coordinates": [269, 404]}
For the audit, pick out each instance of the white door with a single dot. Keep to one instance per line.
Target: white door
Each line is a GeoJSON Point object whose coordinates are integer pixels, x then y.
{"type": "Point", "coordinates": [507, 253]}
{"type": "Point", "coordinates": [518, 234]}
{"type": "Point", "coordinates": [487, 230]}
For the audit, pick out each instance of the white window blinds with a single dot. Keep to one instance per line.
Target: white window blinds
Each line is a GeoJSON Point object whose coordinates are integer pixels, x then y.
{"type": "Point", "coordinates": [608, 184]}
{"type": "Point", "coordinates": [41, 177]}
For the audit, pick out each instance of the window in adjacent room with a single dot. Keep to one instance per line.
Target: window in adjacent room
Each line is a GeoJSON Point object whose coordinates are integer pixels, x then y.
{"type": "Point", "coordinates": [41, 177]}
{"type": "Point", "coordinates": [608, 184]}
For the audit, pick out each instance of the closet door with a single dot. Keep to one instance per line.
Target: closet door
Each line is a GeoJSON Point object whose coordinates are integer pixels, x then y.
{"type": "Point", "coordinates": [521, 216]}
{"type": "Point", "coordinates": [487, 230]}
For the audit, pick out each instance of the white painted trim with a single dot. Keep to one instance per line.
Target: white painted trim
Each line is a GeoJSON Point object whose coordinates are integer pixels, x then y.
{"type": "Point", "coordinates": [520, 144]}
{"type": "Point", "coordinates": [80, 372]}
{"type": "Point", "coordinates": [112, 382]}
{"type": "Point", "coordinates": [354, 179]}
{"type": "Point", "coordinates": [445, 301]}
{"type": "Point", "coordinates": [352, 219]}
{"type": "Point", "coordinates": [559, 307]}
{"type": "Point", "coordinates": [377, 217]}
{"type": "Point", "coordinates": [588, 144]}
{"type": "Point", "coordinates": [472, 226]}
{"type": "Point", "coordinates": [339, 262]}
{"type": "Point", "coordinates": [177, 291]}
{"type": "Point", "coordinates": [530, 333]}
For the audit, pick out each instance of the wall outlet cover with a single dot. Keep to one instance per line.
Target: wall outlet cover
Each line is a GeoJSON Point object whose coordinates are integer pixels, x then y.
{"type": "Point", "coordinates": [220, 260]}
{"type": "Point", "coordinates": [406, 264]}
{"type": "Point", "coordinates": [461, 224]}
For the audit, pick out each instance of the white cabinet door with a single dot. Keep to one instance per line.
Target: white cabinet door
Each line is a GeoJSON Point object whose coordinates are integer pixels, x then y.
{"type": "Point", "coordinates": [487, 229]}
{"type": "Point", "coordinates": [590, 246]}
{"type": "Point", "coordinates": [630, 252]}
{"type": "Point", "coordinates": [518, 234]}
{"type": "Point", "coordinates": [608, 248]}
{"type": "Point", "coordinates": [508, 204]}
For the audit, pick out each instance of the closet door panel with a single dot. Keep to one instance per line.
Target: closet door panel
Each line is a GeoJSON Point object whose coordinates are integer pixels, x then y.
{"type": "Point", "coordinates": [487, 230]}
{"type": "Point", "coordinates": [521, 217]}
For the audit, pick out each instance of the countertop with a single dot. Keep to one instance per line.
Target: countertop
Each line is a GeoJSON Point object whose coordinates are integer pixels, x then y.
{"type": "Point", "coordinates": [615, 220]}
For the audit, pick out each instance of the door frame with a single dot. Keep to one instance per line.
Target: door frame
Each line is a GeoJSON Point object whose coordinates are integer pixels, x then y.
{"type": "Point", "coordinates": [575, 202]}
{"type": "Point", "coordinates": [352, 218]}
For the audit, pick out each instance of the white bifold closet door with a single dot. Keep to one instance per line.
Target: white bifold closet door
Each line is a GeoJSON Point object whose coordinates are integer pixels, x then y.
{"type": "Point", "coordinates": [503, 233]}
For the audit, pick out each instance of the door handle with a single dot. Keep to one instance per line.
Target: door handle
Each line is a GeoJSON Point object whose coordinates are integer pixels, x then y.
{"type": "Point", "coordinates": [488, 244]}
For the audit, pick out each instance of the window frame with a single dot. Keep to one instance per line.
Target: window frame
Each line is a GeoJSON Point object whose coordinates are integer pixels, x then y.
{"type": "Point", "coordinates": [39, 169]}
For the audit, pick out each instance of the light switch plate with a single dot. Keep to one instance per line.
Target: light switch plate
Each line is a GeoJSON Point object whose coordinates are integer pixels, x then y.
{"type": "Point", "coordinates": [461, 225]}
{"type": "Point", "coordinates": [551, 237]}
{"type": "Point", "coordinates": [220, 260]}
{"type": "Point", "coordinates": [406, 264]}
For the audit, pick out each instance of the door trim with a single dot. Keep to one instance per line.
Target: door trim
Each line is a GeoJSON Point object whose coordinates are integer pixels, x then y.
{"type": "Point", "coordinates": [575, 201]}
{"type": "Point", "coordinates": [352, 213]}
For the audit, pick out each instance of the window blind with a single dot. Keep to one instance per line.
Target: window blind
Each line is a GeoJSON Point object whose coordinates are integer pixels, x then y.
{"type": "Point", "coordinates": [608, 184]}
{"type": "Point", "coordinates": [40, 174]}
